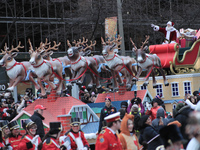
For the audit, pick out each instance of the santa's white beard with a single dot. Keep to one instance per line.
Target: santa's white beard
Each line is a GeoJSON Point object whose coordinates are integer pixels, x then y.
{"type": "Point", "coordinates": [169, 28]}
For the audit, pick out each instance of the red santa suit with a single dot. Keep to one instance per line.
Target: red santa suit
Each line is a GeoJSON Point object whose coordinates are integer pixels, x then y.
{"type": "Point", "coordinates": [50, 144]}
{"type": "Point", "coordinates": [107, 140]}
{"type": "Point", "coordinates": [14, 141]}
{"type": "Point", "coordinates": [26, 144]}
{"type": "Point", "coordinates": [78, 140]}
{"type": "Point", "coordinates": [169, 32]}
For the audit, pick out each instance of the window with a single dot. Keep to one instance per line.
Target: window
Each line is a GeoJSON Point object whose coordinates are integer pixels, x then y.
{"type": "Point", "coordinates": [187, 87]}
{"type": "Point", "coordinates": [81, 115]}
{"type": "Point", "coordinates": [143, 87]}
{"type": "Point", "coordinates": [175, 89]}
{"type": "Point", "coordinates": [159, 90]}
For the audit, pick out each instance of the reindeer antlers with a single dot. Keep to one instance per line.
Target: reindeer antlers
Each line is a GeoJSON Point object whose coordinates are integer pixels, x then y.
{"type": "Point", "coordinates": [146, 41]}
{"type": "Point", "coordinates": [54, 47]}
{"type": "Point", "coordinates": [133, 43]}
{"type": "Point", "coordinates": [12, 49]}
{"type": "Point", "coordinates": [90, 46]}
{"type": "Point", "coordinates": [16, 48]}
{"type": "Point", "coordinates": [31, 47]}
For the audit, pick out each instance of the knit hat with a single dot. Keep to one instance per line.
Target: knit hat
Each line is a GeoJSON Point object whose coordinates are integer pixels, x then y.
{"type": "Point", "coordinates": [122, 113]}
{"type": "Point", "coordinates": [108, 98]}
{"type": "Point", "coordinates": [124, 104]}
{"type": "Point", "coordinates": [170, 134]}
{"type": "Point", "coordinates": [179, 106]}
{"type": "Point", "coordinates": [196, 93]}
{"type": "Point", "coordinates": [142, 120]}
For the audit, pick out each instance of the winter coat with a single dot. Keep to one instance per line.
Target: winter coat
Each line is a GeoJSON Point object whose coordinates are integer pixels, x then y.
{"type": "Point", "coordinates": [182, 116]}
{"type": "Point", "coordinates": [37, 118]}
{"type": "Point", "coordinates": [128, 141]}
{"type": "Point", "coordinates": [155, 122]}
{"type": "Point", "coordinates": [104, 113]}
{"type": "Point", "coordinates": [141, 108]}
{"type": "Point", "coordinates": [148, 133]}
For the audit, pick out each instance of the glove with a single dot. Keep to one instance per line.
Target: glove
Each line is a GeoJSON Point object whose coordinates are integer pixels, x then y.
{"type": "Point", "coordinates": [152, 25]}
{"type": "Point", "coordinates": [34, 140]}
{"type": "Point", "coordinates": [8, 147]}
{"type": "Point", "coordinates": [67, 143]}
{"type": "Point", "coordinates": [148, 106]}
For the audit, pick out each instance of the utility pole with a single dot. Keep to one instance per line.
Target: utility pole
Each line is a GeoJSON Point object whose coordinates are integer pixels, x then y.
{"type": "Point", "coordinates": [121, 28]}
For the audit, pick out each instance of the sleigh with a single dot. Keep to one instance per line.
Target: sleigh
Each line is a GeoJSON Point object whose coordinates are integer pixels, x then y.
{"type": "Point", "coordinates": [178, 60]}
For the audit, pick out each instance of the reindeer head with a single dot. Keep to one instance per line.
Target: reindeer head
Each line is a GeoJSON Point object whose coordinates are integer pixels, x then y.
{"type": "Point", "coordinates": [73, 51]}
{"type": "Point", "coordinates": [47, 51]}
{"type": "Point", "coordinates": [9, 55]}
{"type": "Point", "coordinates": [140, 53]}
{"type": "Point", "coordinates": [110, 47]}
{"type": "Point", "coordinates": [35, 56]}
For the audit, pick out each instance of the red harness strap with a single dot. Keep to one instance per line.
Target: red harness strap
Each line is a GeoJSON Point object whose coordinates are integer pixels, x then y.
{"type": "Point", "coordinates": [76, 61]}
{"type": "Point", "coordinates": [39, 65]}
{"type": "Point", "coordinates": [95, 61]}
{"type": "Point", "coordinates": [111, 58]}
{"type": "Point", "coordinates": [17, 63]}
{"type": "Point", "coordinates": [58, 60]}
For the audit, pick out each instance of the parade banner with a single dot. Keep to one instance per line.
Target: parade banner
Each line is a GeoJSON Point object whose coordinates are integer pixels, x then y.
{"type": "Point", "coordinates": [110, 28]}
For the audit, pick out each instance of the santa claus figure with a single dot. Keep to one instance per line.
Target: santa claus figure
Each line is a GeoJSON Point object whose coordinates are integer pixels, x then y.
{"type": "Point", "coordinates": [169, 31]}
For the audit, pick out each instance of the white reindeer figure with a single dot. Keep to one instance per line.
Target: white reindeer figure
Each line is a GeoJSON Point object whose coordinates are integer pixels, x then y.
{"type": "Point", "coordinates": [45, 69]}
{"type": "Point", "coordinates": [16, 71]}
{"type": "Point", "coordinates": [148, 62]}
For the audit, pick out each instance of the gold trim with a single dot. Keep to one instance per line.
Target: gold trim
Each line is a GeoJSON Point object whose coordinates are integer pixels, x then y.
{"type": "Point", "coordinates": [187, 51]}
{"type": "Point", "coordinates": [30, 123]}
{"type": "Point", "coordinates": [74, 123]}
{"type": "Point", "coordinates": [14, 127]}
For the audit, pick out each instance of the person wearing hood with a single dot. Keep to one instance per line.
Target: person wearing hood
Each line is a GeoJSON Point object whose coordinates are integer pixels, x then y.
{"type": "Point", "coordinates": [127, 136]}
{"type": "Point", "coordinates": [137, 101]}
{"type": "Point", "coordinates": [148, 135]}
{"type": "Point", "coordinates": [160, 117]}
{"type": "Point", "coordinates": [182, 114]}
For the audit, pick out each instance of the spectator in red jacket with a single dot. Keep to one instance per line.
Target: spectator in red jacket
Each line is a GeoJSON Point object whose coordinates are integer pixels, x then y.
{"type": "Point", "coordinates": [153, 111]}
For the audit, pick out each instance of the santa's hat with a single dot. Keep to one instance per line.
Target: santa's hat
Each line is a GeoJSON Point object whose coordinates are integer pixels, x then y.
{"type": "Point", "coordinates": [170, 23]}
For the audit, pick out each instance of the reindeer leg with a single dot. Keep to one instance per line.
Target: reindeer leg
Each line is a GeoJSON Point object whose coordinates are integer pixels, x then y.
{"type": "Point", "coordinates": [43, 92]}
{"type": "Point", "coordinates": [114, 80]}
{"type": "Point", "coordinates": [139, 72]}
{"type": "Point", "coordinates": [11, 82]}
{"type": "Point", "coordinates": [95, 76]}
{"type": "Point", "coordinates": [79, 72]}
{"type": "Point", "coordinates": [58, 92]}
{"type": "Point", "coordinates": [147, 79]}
{"type": "Point", "coordinates": [48, 90]}
{"type": "Point", "coordinates": [154, 79]}
{"type": "Point", "coordinates": [46, 79]}
{"type": "Point", "coordinates": [80, 80]}
{"type": "Point", "coordinates": [163, 74]}
{"type": "Point", "coordinates": [33, 81]}
{"type": "Point", "coordinates": [10, 88]}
